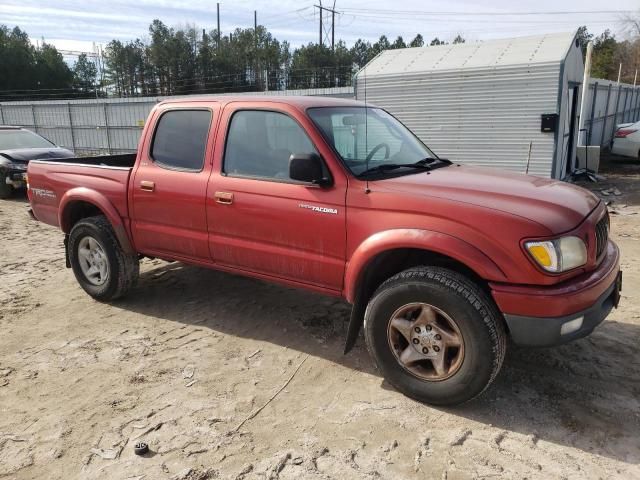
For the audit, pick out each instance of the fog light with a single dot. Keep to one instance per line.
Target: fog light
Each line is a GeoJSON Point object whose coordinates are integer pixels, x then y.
{"type": "Point", "coordinates": [571, 326]}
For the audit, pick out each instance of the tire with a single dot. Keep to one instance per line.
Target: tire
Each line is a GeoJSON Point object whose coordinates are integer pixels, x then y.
{"type": "Point", "coordinates": [6, 190]}
{"type": "Point", "coordinates": [442, 304]}
{"type": "Point", "coordinates": [121, 270]}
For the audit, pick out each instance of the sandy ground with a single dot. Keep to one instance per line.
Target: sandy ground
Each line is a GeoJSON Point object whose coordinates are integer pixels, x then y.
{"type": "Point", "coordinates": [187, 360]}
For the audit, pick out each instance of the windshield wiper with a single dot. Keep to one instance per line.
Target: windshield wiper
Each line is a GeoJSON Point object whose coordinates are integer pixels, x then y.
{"type": "Point", "coordinates": [430, 160]}
{"type": "Point", "coordinates": [385, 167]}
{"type": "Point", "coordinates": [424, 164]}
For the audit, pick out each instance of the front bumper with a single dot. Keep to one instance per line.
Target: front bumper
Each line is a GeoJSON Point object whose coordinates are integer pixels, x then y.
{"type": "Point", "coordinates": [625, 147]}
{"type": "Point", "coordinates": [544, 332]}
{"type": "Point", "coordinates": [16, 178]}
{"type": "Point", "coordinates": [536, 315]}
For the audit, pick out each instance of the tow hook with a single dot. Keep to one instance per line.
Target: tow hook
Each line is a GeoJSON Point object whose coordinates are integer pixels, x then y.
{"type": "Point", "coordinates": [67, 262]}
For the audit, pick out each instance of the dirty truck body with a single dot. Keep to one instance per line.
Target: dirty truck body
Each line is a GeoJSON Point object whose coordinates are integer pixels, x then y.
{"type": "Point", "coordinates": [441, 262]}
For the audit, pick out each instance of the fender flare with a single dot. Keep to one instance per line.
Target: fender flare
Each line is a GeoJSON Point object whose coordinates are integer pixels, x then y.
{"type": "Point", "coordinates": [419, 239]}
{"type": "Point", "coordinates": [83, 194]}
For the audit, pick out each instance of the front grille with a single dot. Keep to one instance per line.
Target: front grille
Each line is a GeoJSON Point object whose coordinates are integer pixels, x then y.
{"type": "Point", "coordinates": [602, 235]}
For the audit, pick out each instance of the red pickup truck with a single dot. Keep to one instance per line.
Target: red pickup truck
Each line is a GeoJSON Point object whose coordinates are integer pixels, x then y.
{"type": "Point", "coordinates": [441, 262]}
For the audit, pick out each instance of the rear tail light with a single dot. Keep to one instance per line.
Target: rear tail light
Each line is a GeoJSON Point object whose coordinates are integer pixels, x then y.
{"type": "Point", "coordinates": [623, 132]}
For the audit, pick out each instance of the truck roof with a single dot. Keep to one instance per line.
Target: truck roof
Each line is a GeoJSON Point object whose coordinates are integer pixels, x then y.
{"type": "Point", "coordinates": [299, 101]}
{"type": "Point", "coordinates": [10, 127]}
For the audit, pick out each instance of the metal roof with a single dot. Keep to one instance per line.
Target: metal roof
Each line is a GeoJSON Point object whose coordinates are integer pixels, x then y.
{"type": "Point", "coordinates": [538, 49]}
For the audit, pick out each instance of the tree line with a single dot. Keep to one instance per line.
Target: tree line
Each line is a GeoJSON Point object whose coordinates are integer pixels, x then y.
{"type": "Point", "coordinates": [187, 60]}
{"type": "Point", "coordinates": [177, 61]}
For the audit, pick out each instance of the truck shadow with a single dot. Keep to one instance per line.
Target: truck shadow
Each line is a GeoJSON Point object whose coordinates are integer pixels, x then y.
{"type": "Point", "coordinates": [585, 395]}
{"type": "Point", "coordinates": [19, 196]}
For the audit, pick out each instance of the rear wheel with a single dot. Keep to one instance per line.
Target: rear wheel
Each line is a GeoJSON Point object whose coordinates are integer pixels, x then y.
{"type": "Point", "coordinates": [435, 335]}
{"type": "Point", "coordinates": [100, 265]}
{"type": "Point", "coordinates": [6, 190]}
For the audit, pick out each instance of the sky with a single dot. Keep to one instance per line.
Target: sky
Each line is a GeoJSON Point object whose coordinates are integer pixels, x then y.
{"type": "Point", "coordinates": [79, 24]}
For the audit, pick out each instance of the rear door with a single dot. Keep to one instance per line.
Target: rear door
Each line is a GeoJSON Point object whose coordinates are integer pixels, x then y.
{"type": "Point", "coordinates": [259, 219]}
{"type": "Point", "coordinates": [168, 190]}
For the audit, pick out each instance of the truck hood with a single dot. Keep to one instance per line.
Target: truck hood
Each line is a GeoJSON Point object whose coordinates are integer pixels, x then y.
{"type": "Point", "coordinates": [556, 205]}
{"type": "Point", "coordinates": [23, 155]}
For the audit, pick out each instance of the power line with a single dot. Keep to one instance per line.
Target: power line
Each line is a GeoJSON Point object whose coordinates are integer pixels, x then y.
{"type": "Point", "coordinates": [449, 13]}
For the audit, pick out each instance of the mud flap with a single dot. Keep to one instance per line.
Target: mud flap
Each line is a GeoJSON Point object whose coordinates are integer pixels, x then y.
{"type": "Point", "coordinates": [67, 262]}
{"type": "Point", "coordinates": [617, 289]}
{"type": "Point", "coordinates": [355, 323]}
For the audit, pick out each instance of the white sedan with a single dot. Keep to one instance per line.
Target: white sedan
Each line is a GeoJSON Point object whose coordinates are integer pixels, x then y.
{"type": "Point", "coordinates": [626, 140]}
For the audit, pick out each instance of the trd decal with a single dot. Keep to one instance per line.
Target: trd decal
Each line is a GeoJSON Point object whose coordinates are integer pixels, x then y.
{"type": "Point", "coordinates": [40, 192]}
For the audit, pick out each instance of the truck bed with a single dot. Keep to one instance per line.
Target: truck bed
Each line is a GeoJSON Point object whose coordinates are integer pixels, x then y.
{"type": "Point", "coordinates": [55, 182]}
{"type": "Point", "coordinates": [126, 160]}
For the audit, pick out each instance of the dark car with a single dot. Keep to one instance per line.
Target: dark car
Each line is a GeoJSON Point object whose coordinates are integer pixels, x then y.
{"type": "Point", "coordinates": [17, 146]}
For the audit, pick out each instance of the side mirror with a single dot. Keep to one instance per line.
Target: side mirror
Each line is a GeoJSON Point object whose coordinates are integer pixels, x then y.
{"type": "Point", "coordinates": [307, 167]}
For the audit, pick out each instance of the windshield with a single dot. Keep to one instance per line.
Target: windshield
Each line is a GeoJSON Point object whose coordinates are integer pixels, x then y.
{"type": "Point", "coordinates": [15, 139]}
{"type": "Point", "coordinates": [369, 138]}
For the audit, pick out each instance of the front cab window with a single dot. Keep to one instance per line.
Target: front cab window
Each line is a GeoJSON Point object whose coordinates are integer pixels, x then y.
{"type": "Point", "coordinates": [260, 144]}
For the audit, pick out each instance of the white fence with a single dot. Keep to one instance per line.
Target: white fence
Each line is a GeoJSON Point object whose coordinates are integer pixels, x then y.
{"type": "Point", "coordinates": [609, 104]}
{"type": "Point", "coordinates": [113, 125]}
{"type": "Point", "coordinates": [99, 126]}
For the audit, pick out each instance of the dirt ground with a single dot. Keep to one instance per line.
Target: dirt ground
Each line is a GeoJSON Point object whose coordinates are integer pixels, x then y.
{"type": "Point", "coordinates": [189, 358]}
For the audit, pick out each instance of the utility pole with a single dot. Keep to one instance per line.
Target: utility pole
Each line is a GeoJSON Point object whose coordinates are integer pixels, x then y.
{"type": "Point", "coordinates": [255, 46]}
{"type": "Point", "coordinates": [321, 35]}
{"type": "Point", "coordinates": [333, 30]}
{"type": "Point", "coordinates": [320, 32]}
{"type": "Point", "coordinates": [218, 39]}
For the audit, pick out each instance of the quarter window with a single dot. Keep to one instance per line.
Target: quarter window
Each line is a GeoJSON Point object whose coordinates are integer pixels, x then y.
{"type": "Point", "coordinates": [180, 139]}
{"type": "Point", "coordinates": [260, 143]}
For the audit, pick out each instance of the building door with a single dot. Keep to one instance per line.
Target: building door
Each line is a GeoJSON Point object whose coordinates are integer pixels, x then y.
{"type": "Point", "coordinates": [570, 130]}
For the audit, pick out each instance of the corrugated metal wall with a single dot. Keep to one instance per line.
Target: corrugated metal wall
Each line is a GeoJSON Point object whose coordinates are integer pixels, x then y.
{"type": "Point", "coordinates": [609, 104]}
{"type": "Point", "coordinates": [482, 116]}
{"type": "Point", "coordinates": [99, 126]}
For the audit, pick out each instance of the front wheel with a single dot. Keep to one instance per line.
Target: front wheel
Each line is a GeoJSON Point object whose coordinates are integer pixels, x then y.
{"type": "Point", "coordinates": [100, 265]}
{"type": "Point", "coordinates": [435, 335]}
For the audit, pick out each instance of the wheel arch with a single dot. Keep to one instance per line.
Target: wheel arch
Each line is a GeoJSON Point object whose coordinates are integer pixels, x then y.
{"type": "Point", "coordinates": [387, 253]}
{"type": "Point", "coordinates": [397, 248]}
{"type": "Point", "coordinates": [81, 202]}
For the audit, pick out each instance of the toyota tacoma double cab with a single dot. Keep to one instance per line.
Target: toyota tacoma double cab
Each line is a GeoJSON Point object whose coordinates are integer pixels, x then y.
{"type": "Point", "coordinates": [442, 263]}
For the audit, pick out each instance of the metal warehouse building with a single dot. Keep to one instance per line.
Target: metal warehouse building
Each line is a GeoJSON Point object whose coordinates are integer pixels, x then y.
{"type": "Point", "coordinates": [501, 103]}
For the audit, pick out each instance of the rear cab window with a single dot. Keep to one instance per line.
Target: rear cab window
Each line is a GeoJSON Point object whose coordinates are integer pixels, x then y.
{"type": "Point", "coordinates": [180, 139]}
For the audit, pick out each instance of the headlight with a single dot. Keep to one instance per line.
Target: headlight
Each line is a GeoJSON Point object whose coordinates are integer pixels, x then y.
{"type": "Point", "coordinates": [558, 255]}
{"type": "Point", "coordinates": [15, 166]}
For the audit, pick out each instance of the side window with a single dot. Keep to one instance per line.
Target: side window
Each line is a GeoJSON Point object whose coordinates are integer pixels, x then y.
{"type": "Point", "coordinates": [180, 139]}
{"type": "Point", "coordinates": [259, 144]}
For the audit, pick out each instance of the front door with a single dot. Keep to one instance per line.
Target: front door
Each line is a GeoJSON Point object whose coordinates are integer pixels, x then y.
{"type": "Point", "coordinates": [262, 221]}
{"type": "Point", "coordinates": [168, 190]}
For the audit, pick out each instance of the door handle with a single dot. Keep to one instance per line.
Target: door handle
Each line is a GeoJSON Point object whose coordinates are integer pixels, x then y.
{"type": "Point", "coordinates": [226, 198]}
{"type": "Point", "coordinates": [147, 186]}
